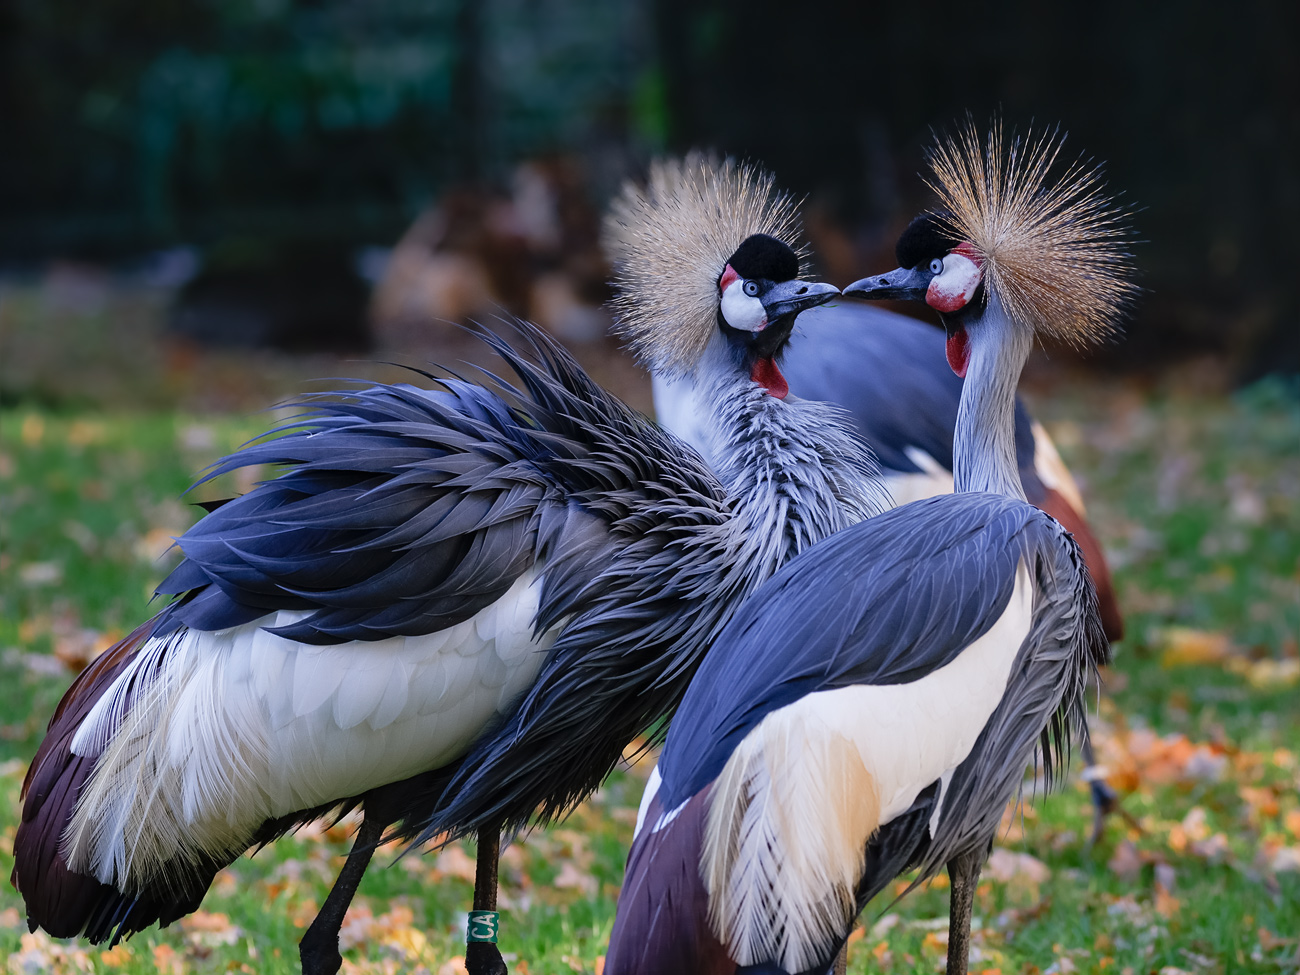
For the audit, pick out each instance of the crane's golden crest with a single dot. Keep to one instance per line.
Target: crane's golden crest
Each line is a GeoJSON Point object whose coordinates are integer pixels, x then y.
{"type": "Point", "coordinates": [1054, 248]}
{"type": "Point", "coordinates": [669, 242]}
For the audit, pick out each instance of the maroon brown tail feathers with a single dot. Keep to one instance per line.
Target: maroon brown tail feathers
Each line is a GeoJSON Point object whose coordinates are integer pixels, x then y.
{"type": "Point", "coordinates": [662, 924]}
{"type": "Point", "coordinates": [64, 903]}
{"type": "Point", "coordinates": [1054, 503]}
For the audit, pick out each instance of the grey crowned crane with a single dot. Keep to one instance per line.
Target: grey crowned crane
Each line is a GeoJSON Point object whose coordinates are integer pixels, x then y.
{"type": "Point", "coordinates": [889, 372]}
{"type": "Point", "coordinates": [875, 705]}
{"type": "Point", "coordinates": [427, 563]}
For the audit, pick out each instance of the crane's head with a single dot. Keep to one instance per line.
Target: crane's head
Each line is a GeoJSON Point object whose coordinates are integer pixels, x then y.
{"type": "Point", "coordinates": [760, 293]}
{"type": "Point", "coordinates": [706, 251]}
{"type": "Point", "coordinates": [1050, 248]}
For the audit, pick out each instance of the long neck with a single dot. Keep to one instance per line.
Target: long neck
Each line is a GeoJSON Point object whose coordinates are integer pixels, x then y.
{"type": "Point", "coordinates": [794, 469]}
{"type": "Point", "coordinates": [984, 444]}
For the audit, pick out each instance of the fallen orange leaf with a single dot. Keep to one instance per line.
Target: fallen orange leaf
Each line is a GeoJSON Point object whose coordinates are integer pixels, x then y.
{"type": "Point", "coordinates": [936, 941]}
{"type": "Point", "coordinates": [1187, 647]}
{"type": "Point", "coordinates": [1166, 903]}
{"type": "Point", "coordinates": [1268, 940]}
{"type": "Point", "coordinates": [203, 921]}
{"type": "Point", "coordinates": [1292, 822]}
{"type": "Point", "coordinates": [115, 957]}
{"type": "Point", "coordinates": [303, 913]}
{"type": "Point", "coordinates": [1126, 863]}
{"type": "Point", "coordinates": [167, 961]}
{"type": "Point", "coordinates": [1262, 802]}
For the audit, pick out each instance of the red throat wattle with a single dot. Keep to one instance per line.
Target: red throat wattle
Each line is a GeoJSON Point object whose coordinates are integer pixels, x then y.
{"type": "Point", "coordinates": [958, 353]}
{"type": "Point", "coordinates": [767, 375]}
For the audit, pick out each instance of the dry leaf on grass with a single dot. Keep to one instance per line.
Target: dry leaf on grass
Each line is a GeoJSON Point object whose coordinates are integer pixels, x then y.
{"type": "Point", "coordinates": [40, 573]}
{"type": "Point", "coordinates": [882, 927]}
{"type": "Point", "coordinates": [1126, 863]}
{"type": "Point", "coordinates": [1267, 674]}
{"type": "Point", "coordinates": [1140, 759]}
{"type": "Point", "coordinates": [1021, 874]}
{"type": "Point", "coordinates": [455, 862]}
{"type": "Point", "coordinates": [303, 913]}
{"type": "Point", "coordinates": [1185, 647]}
{"type": "Point", "coordinates": [571, 878]}
{"type": "Point", "coordinates": [115, 957]}
{"type": "Point", "coordinates": [1262, 802]}
{"type": "Point", "coordinates": [1166, 903]}
{"type": "Point", "coordinates": [1269, 941]}
{"type": "Point", "coordinates": [207, 930]}
{"type": "Point", "coordinates": [1284, 859]}
{"type": "Point", "coordinates": [1292, 822]}
{"type": "Point", "coordinates": [393, 931]}
{"type": "Point", "coordinates": [1006, 865]}
{"type": "Point", "coordinates": [39, 954]}
{"type": "Point", "coordinates": [76, 648]}
{"type": "Point", "coordinates": [1193, 837]}
{"type": "Point", "coordinates": [14, 766]}
{"type": "Point", "coordinates": [167, 960]}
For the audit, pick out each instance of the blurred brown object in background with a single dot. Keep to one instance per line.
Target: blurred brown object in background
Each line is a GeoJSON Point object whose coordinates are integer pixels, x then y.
{"type": "Point", "coordinates": [478, 255]}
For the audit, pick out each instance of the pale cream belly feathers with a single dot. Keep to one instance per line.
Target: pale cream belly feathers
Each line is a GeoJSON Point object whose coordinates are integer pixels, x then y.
{"type": "Point", "coordinates": [234, 727]}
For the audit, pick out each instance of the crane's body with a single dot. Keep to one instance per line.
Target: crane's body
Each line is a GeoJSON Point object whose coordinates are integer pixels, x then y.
{"type": "Point", "coordinates": [429, 566]}
{"type": "Point", "coordinates": [875, 705]}
{"type": "Point", "coordinates": [826, 746]}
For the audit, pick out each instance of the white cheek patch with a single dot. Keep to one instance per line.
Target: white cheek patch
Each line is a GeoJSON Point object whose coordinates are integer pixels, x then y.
{"type": "Point", "coordinates": [952, 289]}
{"type": "Point", "coordinates": [742, 311]}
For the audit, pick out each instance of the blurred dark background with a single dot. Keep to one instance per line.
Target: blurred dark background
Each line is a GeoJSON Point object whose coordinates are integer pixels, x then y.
{"type": "Point", "coordinates": [252, 164]}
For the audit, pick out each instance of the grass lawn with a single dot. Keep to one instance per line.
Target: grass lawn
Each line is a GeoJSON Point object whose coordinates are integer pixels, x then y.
{"type": "Point", "coordinates": [1197, 500]}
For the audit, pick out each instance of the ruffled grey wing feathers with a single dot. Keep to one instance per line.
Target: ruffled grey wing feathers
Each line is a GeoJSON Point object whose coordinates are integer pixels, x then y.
{"type": "Point", "coordinates": [405, 510]}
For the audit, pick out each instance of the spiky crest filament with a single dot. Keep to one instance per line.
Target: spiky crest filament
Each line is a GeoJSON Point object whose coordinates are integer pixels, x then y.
{"type": "Point", "coordinates": [1055, 248]}
{"type": "Point", "coordinates": [669, 243]}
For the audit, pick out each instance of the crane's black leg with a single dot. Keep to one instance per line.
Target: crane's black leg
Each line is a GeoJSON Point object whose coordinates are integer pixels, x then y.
{"type": "Point", "coordinates": [482, 957]}
{"type": "Point", "coordinates": [964, 875]}
{"type": "Point", "coordinates": [319, 949]}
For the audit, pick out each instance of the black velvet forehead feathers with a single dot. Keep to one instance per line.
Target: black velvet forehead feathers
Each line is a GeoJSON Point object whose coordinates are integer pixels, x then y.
{"type": "Point", "coordinates": [764, 258]}
{"type": "Point", "coordinates": [927, 237]}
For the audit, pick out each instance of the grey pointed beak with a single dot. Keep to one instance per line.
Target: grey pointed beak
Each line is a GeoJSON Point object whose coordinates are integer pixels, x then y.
{"type": "Point", "coordinates": [907, 284]}
{"type": "Point", "coordinates": [792, 297]}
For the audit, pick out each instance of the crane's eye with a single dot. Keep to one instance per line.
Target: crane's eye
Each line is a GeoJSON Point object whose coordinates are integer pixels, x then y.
{"type": "Point", "coordinates": [936, 266]}
{"type": "Point", "coordinates": [751, 288]}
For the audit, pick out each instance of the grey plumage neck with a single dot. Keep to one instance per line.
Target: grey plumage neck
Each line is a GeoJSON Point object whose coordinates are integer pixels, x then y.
{"type": "Point", "coordinates": [794, 469]}
{"type": "Point", "coordinates": [984, 442]}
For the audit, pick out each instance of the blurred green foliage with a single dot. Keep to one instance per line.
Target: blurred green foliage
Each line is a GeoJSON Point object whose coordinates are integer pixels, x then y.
{"type": "Point", "coordinates": [141, 123]}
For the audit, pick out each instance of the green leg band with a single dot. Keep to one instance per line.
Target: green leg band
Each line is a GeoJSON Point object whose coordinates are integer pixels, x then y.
{"type": "Point", "coordinates": [483, 926]}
